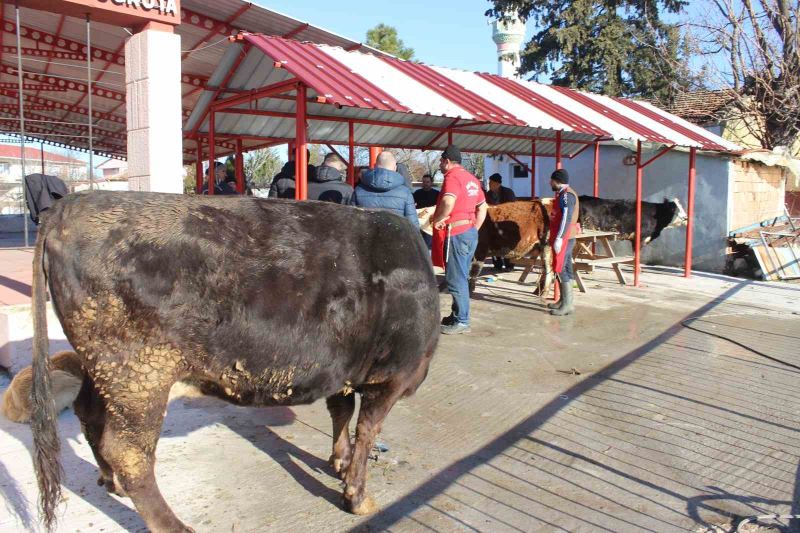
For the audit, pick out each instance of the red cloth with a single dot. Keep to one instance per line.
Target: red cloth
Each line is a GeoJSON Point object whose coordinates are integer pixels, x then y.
{"type": "Point", "coordinates": [437, 247]}
{"type": "Point", "coordinates": [468, 193]}
{"type": "Point", "coordinates": [569, 233]}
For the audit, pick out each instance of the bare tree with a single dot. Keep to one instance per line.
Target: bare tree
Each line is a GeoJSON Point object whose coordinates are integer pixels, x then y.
{"type": "Point", "coordinates": [753, 48]}
{"type": "Point", "coordinates": [260, 166]}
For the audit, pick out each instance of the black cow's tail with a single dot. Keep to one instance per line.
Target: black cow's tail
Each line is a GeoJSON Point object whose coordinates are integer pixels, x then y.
{"type": "Point", "coordinates": [43, 410]}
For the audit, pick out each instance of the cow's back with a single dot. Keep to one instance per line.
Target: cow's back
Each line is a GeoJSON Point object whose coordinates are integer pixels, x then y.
{"type": "Point", "coordinates": [271, 300]}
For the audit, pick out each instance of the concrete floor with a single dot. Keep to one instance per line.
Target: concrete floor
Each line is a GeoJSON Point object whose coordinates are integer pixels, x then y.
{"type": "Point", "coordinates": [620, 418]}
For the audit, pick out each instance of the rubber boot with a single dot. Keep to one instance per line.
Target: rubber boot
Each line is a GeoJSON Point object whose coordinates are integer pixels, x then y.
{"type": "Point", "coordinates": [567, 297]}
{"type": "Point", "coordinates": [559, 303]}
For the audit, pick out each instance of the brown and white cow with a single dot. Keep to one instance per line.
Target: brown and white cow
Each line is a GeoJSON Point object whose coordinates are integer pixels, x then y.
{"type": "Point", "coordinates": [513, 230]}
{"type": "Point", "coordinates": [259, 302]}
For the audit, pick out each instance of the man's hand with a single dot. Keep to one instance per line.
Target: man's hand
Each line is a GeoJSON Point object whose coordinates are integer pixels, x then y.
{"type": "Point", "coordinates": [557, 244]}
{"type": "Point", "coordinates": [443, 211]}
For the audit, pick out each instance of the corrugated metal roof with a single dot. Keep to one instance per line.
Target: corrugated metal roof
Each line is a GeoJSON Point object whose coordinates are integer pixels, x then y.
{"type": "Point", "coordinates": [325, 74]}
{"type": "Point", "coordinates": [204, 30]}
{"type": "Point", "coordinates": [406, 104]}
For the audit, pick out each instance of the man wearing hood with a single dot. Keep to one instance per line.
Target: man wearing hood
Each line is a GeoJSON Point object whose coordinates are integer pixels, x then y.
{"type": "Point", "coordinates": [384, 188]}
{"type": "Point", "coordinates": [283, 184]}
{"type": "Point", "coordinates": [329, 184]}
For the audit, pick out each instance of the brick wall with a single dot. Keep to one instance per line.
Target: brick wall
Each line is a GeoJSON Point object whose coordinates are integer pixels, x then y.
{"type": "Point", "coordinates": [758, 193]}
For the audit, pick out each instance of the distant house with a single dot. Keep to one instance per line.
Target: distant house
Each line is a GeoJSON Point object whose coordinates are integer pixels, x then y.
{"type": "Point", "coordinates": [69, 169]}
{"type": "Point", "coordinates": [716, 111]}
{"type": "Point", "coordinates": [113, 169]}
{"type": "Point", "coordinates": [64, 167]}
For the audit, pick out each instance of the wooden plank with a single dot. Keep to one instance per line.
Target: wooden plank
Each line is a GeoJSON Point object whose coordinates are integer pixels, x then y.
{"type": "Point", "coordinates": [606, 260]}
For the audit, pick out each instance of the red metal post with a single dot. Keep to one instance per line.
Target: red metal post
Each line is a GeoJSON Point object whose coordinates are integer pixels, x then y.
{"type": "Point", "coordinates": [239, 164]}
{"type": "Point", "coordinates": [212, 170]}
{"type": "Point", "coordinates": [596, 190]}
{"type": "Point", "coordinates": [300, 158]}
{"type": "Point", "coordinates": [558, 150]}
{"type": "Point", "coordinates": [374, 151]}
{"type": "Point", "coordinates": [351, 167]}
{"type": "Point", "coordinates": [533, 169]}
{"type": "Point", "coordinates": [637, 247]}
{"type": "Point", "coordinates": [449, 137]}
{"type": "Point", "coordinates": [199, 167]}
{"type": "Point", "coordinates": [687, 273]}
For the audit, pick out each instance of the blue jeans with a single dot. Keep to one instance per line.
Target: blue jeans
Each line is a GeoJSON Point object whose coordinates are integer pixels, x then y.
{"type": "Point", "coordinates": [566, 272]}
{"type": "Point", "coordinates": [462, 250]}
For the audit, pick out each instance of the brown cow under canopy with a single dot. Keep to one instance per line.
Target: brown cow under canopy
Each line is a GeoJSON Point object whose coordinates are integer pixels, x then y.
{"type": "Point", "coordinates": [513, 230]}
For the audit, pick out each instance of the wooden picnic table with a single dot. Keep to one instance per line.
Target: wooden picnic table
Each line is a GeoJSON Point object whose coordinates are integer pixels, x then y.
{"type": "Point", "coordinates": [586, 255]}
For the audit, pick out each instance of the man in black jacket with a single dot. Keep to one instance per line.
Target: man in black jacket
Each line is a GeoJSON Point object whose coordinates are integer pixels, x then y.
{"type": "Point", "coordinates": [497, 194]}
{"type": "Point", "coordinates": [329, 183]}
{"type": "Point", "coordinates": [283, 184]}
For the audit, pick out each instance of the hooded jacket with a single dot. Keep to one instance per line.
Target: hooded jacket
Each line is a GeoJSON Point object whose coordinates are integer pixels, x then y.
{"type": "Point", "coordinates": [383, 189]}
{"type": "Point", "coordinates": [283, 183]}
{"type": "Point", "coordinates": [329, 186]}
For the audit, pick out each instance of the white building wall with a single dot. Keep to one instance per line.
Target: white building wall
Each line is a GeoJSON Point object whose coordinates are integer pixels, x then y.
{"type": "Point", "coordinates": [666, 177]}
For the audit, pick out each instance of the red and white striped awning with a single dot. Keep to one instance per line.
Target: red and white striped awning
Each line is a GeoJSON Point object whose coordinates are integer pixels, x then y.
{"type": "Point", "coordinates": [405, 104]}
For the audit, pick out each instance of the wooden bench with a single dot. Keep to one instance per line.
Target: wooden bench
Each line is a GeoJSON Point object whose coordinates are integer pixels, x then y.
{"type": "Point", "coordinates": [585, 257]}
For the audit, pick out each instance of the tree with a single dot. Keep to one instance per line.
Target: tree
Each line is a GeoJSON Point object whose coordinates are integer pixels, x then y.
{"type": "Point", "coordinates": [613, 47]}
{"type": "Point", "coordinates": [385, 39]}
{"type": "Point", "coordinates": [260, 166]}
{"type": "Point", "coordinates": [753, 48]}
{"type": "Point", "coordinates": [189, 182]}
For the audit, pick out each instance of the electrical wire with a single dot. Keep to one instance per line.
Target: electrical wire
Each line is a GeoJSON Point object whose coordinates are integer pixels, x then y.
{"type": "Point", "coordinates": [83, 67]}
{"type": "Point", "coordinates": [204, 47]}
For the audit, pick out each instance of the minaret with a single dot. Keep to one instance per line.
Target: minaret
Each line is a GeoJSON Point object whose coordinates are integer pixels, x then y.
{"type": "Point", "coordinates": [508, 36]}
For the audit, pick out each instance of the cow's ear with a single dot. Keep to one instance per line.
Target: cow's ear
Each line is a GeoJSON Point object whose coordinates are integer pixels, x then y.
{"type": "Point", "coordinates": [667, 200]}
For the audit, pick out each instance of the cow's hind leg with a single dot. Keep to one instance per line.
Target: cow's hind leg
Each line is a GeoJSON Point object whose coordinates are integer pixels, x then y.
{"type": "Point", "coordinates": [133, 426]}
{"type": "Point", "coordinates": [376, 401]}
{"type": "Point", "coordinates": [91, 411]}
{"type": "Point", "coordinates": [341, 407]}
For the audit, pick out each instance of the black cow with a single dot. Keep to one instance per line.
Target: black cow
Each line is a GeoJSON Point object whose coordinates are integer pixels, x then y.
{"type": "Point", "coordinates": [259, 302]}
{"type": "Point", "coordinates": [620, 216]}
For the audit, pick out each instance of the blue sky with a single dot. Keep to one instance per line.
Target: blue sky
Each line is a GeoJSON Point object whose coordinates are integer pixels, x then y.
{"type": "Point", "coordinates": [451, 33]}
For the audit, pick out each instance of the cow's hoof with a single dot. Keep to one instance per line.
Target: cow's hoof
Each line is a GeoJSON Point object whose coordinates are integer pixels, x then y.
{"type": "Point", "coordinates": [366, 507]}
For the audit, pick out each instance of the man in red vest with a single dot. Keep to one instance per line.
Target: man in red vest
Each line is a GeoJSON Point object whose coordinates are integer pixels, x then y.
{"type": "Point", "coordinates": [563, 228]}
{"type": "Point", "coordinates": [460, 210]}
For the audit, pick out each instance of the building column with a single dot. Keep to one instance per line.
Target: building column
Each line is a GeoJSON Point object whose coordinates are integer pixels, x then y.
{"type": "Point", "coordinates": [153, 85]}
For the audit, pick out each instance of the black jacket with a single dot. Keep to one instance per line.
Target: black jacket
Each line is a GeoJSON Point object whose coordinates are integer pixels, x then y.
{"type": "Point", "coordinates": [329, 186]}
{"type": "Point", "coordinates": [503, 195]}
{"type": "Point", "coordinates": [425, 198]}
{"type": "Point", "coordinates": [283, 183]}
{"type": "Point", "coordinates": [220, 189]}
{"type": "Point", "coordinates": [42, 191]}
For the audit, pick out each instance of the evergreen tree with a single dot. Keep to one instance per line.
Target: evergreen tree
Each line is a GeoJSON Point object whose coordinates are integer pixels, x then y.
{"type": "Point", "coordinates": [613, 47]}
{"type": "Point", "coordinates": [385, 39]}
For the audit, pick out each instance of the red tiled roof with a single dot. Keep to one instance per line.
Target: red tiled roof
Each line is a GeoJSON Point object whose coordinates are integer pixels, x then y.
{"type": "Point", "coordinates": [699, 107]}
{"type": "Point", "coordinates": [8, 151]}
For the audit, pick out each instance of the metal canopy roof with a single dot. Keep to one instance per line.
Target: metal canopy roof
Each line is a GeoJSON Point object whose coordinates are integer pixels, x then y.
{"type": "Point", "coordinates": [396, 103]}
{"type": "Point", "coordinates": [54, 63]}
